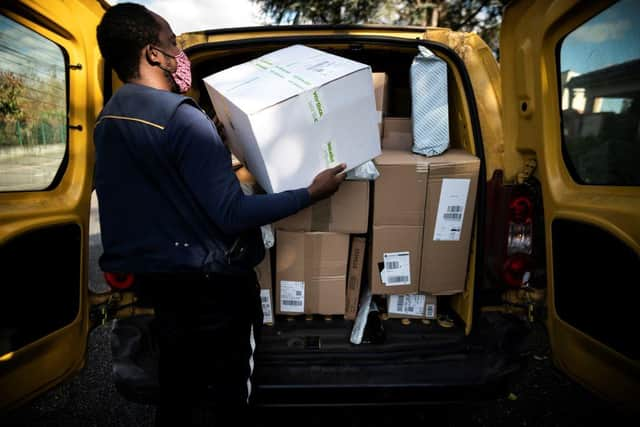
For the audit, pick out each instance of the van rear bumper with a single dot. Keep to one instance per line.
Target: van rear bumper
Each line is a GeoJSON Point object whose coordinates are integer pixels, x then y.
{"type": "Point", "coordinates": [439, 380]}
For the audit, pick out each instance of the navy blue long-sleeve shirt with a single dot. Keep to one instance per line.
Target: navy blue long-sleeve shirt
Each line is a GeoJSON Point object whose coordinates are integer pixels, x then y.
{"type": "Point", "coordinates": [148, 156]}
{"type": "Point", "coordinates": [205, 163]}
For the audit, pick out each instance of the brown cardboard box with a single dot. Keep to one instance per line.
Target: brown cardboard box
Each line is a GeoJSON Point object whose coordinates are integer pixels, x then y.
{"type": "Point", "coordinates": [394, 245]}
{"type": "Point", "coordinates": [450, 205]}
{"type": "Point", "coordinates": [398, 134]}
{"type": "Point", "coordinates": [418, 306]}
{"type": "Point", "coordinates": [347, 211]}
{"type": "Point", "coordinates": [381, 92]}
{"type": "Point", "coordinates": [354, 276]}
{"type": "Point", "coordinates": [311, 271]}
{"type": "Point", "coordinates": [263, 274]}
{"type": "Point", "coordinates": [400, 191]}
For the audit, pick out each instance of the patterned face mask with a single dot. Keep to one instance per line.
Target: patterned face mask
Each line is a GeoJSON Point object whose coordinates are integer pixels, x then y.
{"type": "Point", "coordinates": [182, 75]}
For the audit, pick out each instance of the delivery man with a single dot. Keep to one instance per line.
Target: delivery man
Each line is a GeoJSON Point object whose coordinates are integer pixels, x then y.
{"type": "Point", "coordinates": [172, 212]}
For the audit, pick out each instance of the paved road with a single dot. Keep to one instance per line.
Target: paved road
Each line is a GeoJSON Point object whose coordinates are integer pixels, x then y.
{"type": "Point", "coordinates": [30, 168]}
{"type": "Point", "coordinates": [541, 396]}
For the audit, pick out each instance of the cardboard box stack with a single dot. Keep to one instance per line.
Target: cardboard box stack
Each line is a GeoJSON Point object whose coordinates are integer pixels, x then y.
{"type": "Point", "coordinates": [296, 111]}
{"type": "Point", "coordinates": [398, 217]}
{"type": "Point", "coordinates": [422, 217]}
{"type": "Point", "coordinates": [319, 238]}
{"type": "Point", "coordinates": [288, 115]}
{"type": "Point", "coordinates": [322, 233]}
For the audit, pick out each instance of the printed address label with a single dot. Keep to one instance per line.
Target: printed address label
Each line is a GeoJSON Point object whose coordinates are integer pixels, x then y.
{"type": "Point", "coordinates": [292, 296]}
{"type": "Point", "coordinates": [397, 269]}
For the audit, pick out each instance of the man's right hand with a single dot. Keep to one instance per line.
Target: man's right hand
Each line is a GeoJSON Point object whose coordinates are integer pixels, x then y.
{"type": "Point", "coordinates": [327, 182]}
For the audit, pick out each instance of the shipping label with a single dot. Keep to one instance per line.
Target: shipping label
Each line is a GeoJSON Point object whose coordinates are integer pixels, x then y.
{"type": "Point", "coordinates": [267, 310]}
{"type": "Point", "coordinates": [411, 304]}
{"type": "Point", "coordinates": [430, 311]}
{"type": "Point", "coordinates": [292, 296]}
{"type": "Point", "coordinates": [453, 199]}
{"type": "Point", "coordinates": [397, 269]}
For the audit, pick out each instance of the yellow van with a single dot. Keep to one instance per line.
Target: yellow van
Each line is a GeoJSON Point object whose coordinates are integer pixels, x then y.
{"type": "Point", "coordinates": [557, 220]}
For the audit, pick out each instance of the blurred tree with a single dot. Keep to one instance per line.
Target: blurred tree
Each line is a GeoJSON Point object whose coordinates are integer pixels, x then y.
{"type": "Point", "coordinates": [481, 16]}
{"type": "Point", "coordinates": [319, 11]}
{"type": "Point", "coordinates": [11, 88]}
{"type": "Point", "coordinates": [11, 112]}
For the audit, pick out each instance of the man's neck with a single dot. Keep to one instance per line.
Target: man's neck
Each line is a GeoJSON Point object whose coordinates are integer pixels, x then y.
{"type": "Point", "coordinates": [152, 81]}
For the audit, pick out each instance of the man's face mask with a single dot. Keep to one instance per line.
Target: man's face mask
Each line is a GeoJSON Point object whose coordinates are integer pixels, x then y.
{"type": "Point", "coordinates": [182, 75]}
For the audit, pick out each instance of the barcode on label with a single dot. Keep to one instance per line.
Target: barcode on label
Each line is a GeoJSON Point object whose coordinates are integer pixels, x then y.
{"type": "Point", "coordinates": [397, 279]}
{"type": "Point", "coordinates": [265, 296]}
{"type": "Point", "coordinates": [397, 269]}
{"type": "Point", "coordinates": [291, 302]}
{"type": "Point", "coordinates": [451, 208]}
{"type": "Point", "coordinates": [454, 216]}
{"type": "Point", "coordinates": [392, 265]}
{"type": "Point", "coordinates": [400, 305]}
{"type": "Point", "coordinates": [454, 212]}
{"type": "Point", "coordinates": [292, 296]}
{"type": "Point", "coordinates": [430, 310]}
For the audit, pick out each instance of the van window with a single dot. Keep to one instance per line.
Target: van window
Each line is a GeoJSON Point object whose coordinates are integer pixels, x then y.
{"type": "Point", "coordinates": [33, 108]}
{"type": "Point", "coordinates": [599, 72]}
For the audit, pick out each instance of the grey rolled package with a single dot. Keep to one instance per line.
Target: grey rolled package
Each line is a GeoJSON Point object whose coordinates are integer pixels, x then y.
{"type": "Point", "coordinates": [430, 103]}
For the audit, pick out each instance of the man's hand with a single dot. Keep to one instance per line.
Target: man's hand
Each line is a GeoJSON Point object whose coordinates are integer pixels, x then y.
{"type": "Point", "coordinates": [327, 182]}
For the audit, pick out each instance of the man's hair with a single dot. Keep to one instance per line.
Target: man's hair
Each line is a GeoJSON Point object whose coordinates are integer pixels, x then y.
{"type": "Point", "coordinates": [124, 30]}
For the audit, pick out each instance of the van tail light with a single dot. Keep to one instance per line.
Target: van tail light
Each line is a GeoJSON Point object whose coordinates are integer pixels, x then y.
{"type": "Point", "coordinates": [520, 223]}
{"type": "Point", "coordinates": [119, 281]}
{"type": "Point", "coordinates": [514, 246]}
{"type": "Point", "coordinates": [517, 270]}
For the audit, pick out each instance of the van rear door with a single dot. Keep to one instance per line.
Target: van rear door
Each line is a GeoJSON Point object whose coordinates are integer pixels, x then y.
{"type": "Point", "coordinates": [571, 99]}
{"type": "Point", "coordinates": [50, 74]}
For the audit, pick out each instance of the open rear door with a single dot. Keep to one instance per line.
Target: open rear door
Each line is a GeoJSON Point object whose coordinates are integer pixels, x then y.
{"type": "Point", "coordinates": [50, 94]}
{"type": "Point", "coordinates": [571, 92]}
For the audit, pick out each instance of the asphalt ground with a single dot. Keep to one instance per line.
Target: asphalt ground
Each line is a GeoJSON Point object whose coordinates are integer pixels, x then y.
{"type": "Point", "coordinates": [30, 169]}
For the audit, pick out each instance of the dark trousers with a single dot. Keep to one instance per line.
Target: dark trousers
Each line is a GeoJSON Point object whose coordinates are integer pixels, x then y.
{"type": "Point", "coordinates": [207, 329]}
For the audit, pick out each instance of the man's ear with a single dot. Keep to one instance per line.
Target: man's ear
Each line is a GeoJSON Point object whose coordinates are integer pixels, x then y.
{"type": "Point", "coordinates": [151, 54]}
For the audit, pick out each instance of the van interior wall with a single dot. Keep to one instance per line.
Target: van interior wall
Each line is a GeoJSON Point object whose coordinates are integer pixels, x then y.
{"type": "Point", "coordinates": [396, 62]}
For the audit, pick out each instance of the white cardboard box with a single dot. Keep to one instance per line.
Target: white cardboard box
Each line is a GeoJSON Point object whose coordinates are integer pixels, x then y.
{"type": "Point", "coordinates": [296, 111]}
